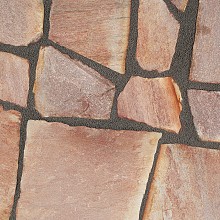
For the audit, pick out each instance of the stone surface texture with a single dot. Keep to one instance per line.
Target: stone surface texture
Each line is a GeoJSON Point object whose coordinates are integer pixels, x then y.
{"type": "Point", "coordinates": [156, 102]}
{"type": "Point", "coordinates": [180, 4]}
{"type": "Point", "coordinates": [67, 88]}
{"type": "Point", "coordinates": [205, 108]}
{"type": "Point", "coordinates": [21, 22]}
{"type": "Point", "coordinates": [185, 184]}
{"type": "Point", "coordinates": [157, 35]}
{"type": "Point", "coordinates": [9, 150]}
{"type": "Point", "coordinates": [96, 29]}
{"type": "Point", "coordinates": [84, 173]}
{"type": "Point", "coordinates": [14, 79]}
{"type": "Point", "coordinates": [206, 60]}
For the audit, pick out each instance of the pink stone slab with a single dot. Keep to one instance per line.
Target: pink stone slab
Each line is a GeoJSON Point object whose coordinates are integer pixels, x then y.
{"type": "Point", "coordinates": [155, 102]}
{"type": "Point", "coordinates": [66, 87]}
{"type": "Point", "coordinates": [157, 35]}
{"type": "Point", "coordinates": [98, 30]}
{"type": "Point", "coordinates": [206, 60]}
{"type": "Point", "coordinates": [180, 4]}
{"type": "Point", "coordinates": [14, 79]}
{"type": "Point", "coordinates": [185, 184]}
{"type": "Point", "coordinates": [205, 107]}
{"type": "Point", "coordinates": [84, 173]}
{"type": "Point", "coordinates": [21, 21]}
{"type": "Point", "coordinates": [9, 150]}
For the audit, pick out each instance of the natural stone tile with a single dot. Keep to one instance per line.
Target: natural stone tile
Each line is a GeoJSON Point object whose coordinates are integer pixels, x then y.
{"type": "Point", "coordinates": [9, 150]}
{"type": "Point", "coordinates": [205, 108]}
{"type": "Point", "coordinates": [21, 22]}
{"type": "Point", "coordinates": [155, 102]}
{"type": "Point", "coordinates": [185, 184]}
{"type": "Point", "coordinates": [157, 35]}
{"type": "Point", "coordinates": [84, 173]}
{"type": "Point", "coordinates": [66, 87]}
{"type": "Point", "coordinates": [96, 29]}
{"type": "Point", "coordinates": [206, 60]}
{"type": "Point", "coordinates": [180, 4]}
{"type": "Point", "coordinates": [14, 79]}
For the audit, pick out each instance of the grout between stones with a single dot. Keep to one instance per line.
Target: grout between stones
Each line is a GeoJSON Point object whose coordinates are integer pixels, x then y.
{"type": "Point", "coordinates": [179, 71]}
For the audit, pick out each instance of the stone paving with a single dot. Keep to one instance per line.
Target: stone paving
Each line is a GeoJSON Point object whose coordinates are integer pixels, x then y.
{"type": "Point", "coordinates": [109, 110]}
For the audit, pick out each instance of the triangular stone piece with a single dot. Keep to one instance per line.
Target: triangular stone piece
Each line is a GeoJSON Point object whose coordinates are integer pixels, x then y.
{"type": "Point", "coordinates": [67, 88]}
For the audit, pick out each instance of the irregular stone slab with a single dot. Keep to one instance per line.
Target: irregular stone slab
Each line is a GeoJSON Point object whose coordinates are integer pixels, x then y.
{"type": "Point", "coordinates": [84, 173]}
{"type": "Point", "coordinates": [157, 35]}
{"type": "Point", "coordinates": [21, 22]}
{"type": "Point", "coordinates": [185, 184]}
{"type": "Point", "coordinates": [66, 87]}
{"type": "Point", "coordinates": [96, 29]}
{"type": "Point", "coordinates": [205, 108]}
{"type": "Point", "coordinates": [180, 4]}
{"type": "Point", "coordinates": [155, 102]}
{"type": "Point", "coordinates": [9, 151]}
{"type": "Point", "coordinates": [14, 79]}
{"type": "Point", "coordinates": [206, 60]}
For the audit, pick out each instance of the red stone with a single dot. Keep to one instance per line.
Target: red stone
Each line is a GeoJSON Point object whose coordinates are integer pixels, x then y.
{"type": "Point", "coordinates": [185, 184]}
{"type": "Point", "coordinates": [206, 60]}
{"type": "Point", "coordinates": [205, 108]}
{"type": "Point", "coordinates": [155, 102]}
{"type": "Point", "coordinates": [67, 88]}
{"type": "Point", "coordinates": [14, 79]}
{"type": "Point", "coordinates": [98, 30]}
{"type": "Point", "coordinates": [21, 22]}
{"type": "Point", "coordinates": [9, 150]}
{"type": "Point", "coordinates": [157, 35]}
{"type": "Point", "coordinates": [180, 4]}
{"type": "Point", "coordinates": [84, 173]}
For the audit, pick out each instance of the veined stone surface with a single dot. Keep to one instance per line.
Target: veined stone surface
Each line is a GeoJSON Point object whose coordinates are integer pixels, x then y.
{"type": "Point", "coordinates": [157, 35]}
{"type": "Point", "coordinates": [21, 22]}
{"type": "Point", "coordinates": [205, 107]}
{"type": "Point", "coordinates": [156, 102]}
{"type": "Point", "coordinates": [180, 4]}
{"type": "Point", "coordinates": [185, 184]}
{"type": "Point", "coordinates": [206, 60]}
{"type": "Point", "coordinates": [96, 29]}
{"type": "Point", "coordinates": [67, 88]}
{"type": "Point", "coordinates": [9, 151]}
{"type": "Point", "coordinates": [14, 79]}
{"type": "Point", "coordinates": [84, 173]}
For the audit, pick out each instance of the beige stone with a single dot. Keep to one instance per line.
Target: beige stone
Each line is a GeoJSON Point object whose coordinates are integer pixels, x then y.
{"type": "Point", "coordinates": [84, 173]}
{"type": "Point", "coordinates": [206, 60]}
{"type": "Point", "coordinates": [96, 29]}
{"type": "Point", "coordinates": [157, 35]}
{"type": "Point", "coordinates": [67, 88]}
{"type": "Point", "coordinates": [155, 102]}
{"type": "Point", "coordinates": [9, 150]}
{"type": "Point", "coordinates": [180, 4]}
{"type": "Point", "coordinates": [21, 22]}
{"type": "Point", "coordinates": [14, 79]}
{"type": "Point", "coordinates": [205, 108]}
{"type": "Point", "coordinates": [185, 184]}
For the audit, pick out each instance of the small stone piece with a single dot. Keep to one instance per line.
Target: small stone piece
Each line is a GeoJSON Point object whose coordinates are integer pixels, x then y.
{"type": "Point", "coordinates": [206, 60]}
{"type": "Point", "coordinates": [185, 184]}
{"type": "Point", "coordinates": [9, 151]}
{"type": "Point", "coordinates": [84, 173]}
{"type": "Point", "coordinates": [180, 4]}
{"type": "Point", "coordinates": [157, 35]}
{"type": "Point", "coordinates": [67, 88]}
{"type": "Point", "coordinates": [14, 79]}
{"type": "Point", "coordinates": [21, 22]}
{"type": "Point", "coordinates": [205, 107]}
{"type": "Point", "coordinates": [155, 102]}
{"type": "Point", "coordinates": [98, 30]}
